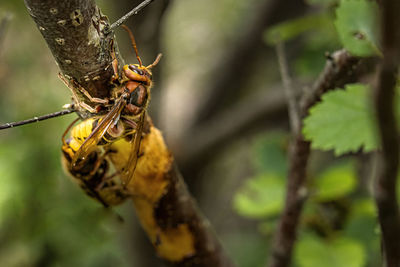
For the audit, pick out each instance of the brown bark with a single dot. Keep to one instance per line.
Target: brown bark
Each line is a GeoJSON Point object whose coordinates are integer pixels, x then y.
{"type": "Point", "coordinates": [73, 30]}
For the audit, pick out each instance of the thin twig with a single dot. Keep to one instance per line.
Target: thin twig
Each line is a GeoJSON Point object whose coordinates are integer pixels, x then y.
{"type": "Point", "coordinates": [338, 71]}
{"type": "Point", "coordinates": [134, 11]}
{"type": "Point", "coordinates": [385, 187]}
{"type": "Point", "coordinates": [293, 107]}
{"type": "Point", "coordinates": [36, 119]}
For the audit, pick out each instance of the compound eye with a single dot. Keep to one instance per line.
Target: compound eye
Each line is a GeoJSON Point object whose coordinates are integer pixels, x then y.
{"type": "Point", "coordinates": [136, 70]}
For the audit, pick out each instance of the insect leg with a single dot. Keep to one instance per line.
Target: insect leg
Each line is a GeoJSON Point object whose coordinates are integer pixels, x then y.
{"type": "Point", "coordinates": [73, 87]}
{"type": "Point", "coordinates": [97, 134]}
{"type": "Point", "coordinates": [115, 77]}
{"type": "Point", "coordinates": [86, 93]}
{"type": "Point", "coordinates": [66, 82]}
{"type": "Point", "coordinates": [133, 157]}
{"type": "Point", "coordinates": [105, 180]}
{"type": "Point", "coordinates": [67, 130]}
{"type": "Point", "coordinates": [92, 99]}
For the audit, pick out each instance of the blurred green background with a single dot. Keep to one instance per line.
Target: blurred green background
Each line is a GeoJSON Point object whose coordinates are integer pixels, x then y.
{"type": "Point", "coordinates": [213, 51]}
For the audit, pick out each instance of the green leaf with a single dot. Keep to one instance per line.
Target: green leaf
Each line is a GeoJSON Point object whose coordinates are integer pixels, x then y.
{"type": "Point", "coordinates": [364, 207]}
{"type": "Point", "coordinates": [356, 23]}
{"type": "Point", "coordinates": [342, 121]}
{"type": "Point", "coordinates": [247, 248]}
{"type": "Point", "coordinates": [260, 196]}
{"type": "Point", "coordinates": [362, 225]}
{"type": "Point", "coordinates": [268, 227]}
{"type": "Point", "coordinates": [269, 153]}
{"type": "Point", "coordinates": [335, 183]}
{"type": "Point", "coordinates": [315, 252]}
{"type": "Point", "coordinates": [292, 28]}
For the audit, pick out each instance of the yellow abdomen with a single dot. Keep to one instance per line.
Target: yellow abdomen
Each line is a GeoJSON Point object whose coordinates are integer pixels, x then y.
{"type": "Point", "coordinates": [82, 131]}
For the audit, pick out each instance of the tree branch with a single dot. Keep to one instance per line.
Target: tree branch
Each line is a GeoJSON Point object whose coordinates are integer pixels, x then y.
{"type": "Point", "coordinates": [73, 31]}
{"type": "Point", "coordinates": [294, 116]}
{"type": "Point", "coordinates": [385, 187]}
{"type": "Point", "coordinates": [179, 233]}
{"type": "Point", "coordinates": [338, 71]}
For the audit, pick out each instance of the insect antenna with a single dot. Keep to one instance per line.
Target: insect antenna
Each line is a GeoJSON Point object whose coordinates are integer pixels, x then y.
{"type": "Point", "coordinates": [155, 61]}
{"type": "Point", "coordinates": [36, 119]}
{"type": "Point", "coordinates": [133, 43]}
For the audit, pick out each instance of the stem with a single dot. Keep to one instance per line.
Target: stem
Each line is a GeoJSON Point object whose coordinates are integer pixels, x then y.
{"type": "Point", "coordinates": [385, 186]}
{"type": "Point", "coordinates": [36, 119]}
{"type": "Point", "coordinates": [338, 71]}
{"type": "Point", "coordinates": [294, 116]}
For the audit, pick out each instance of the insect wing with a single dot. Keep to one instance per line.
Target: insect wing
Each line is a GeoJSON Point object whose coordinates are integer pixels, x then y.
{"type": "Point", "coordinates": [135, 146]}
{"type": "Point", "coordinates": [95, 136]}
